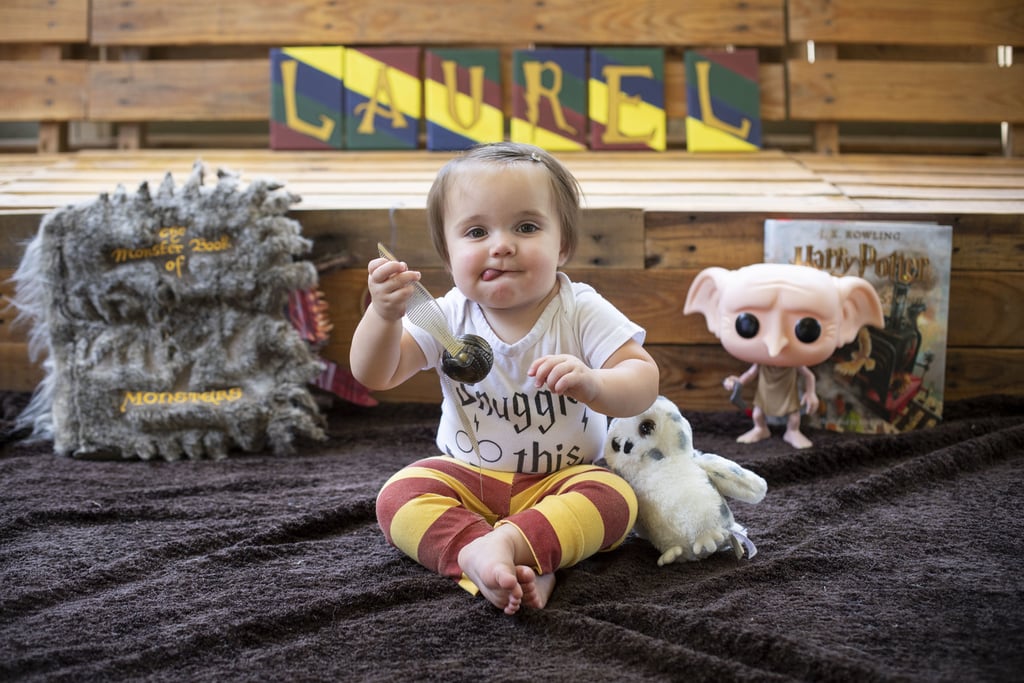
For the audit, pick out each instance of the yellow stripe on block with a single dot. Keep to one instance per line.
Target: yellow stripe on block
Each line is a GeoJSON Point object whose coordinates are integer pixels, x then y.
{"type": "Point", "coordinates": [362, 72]}
{"type": "Point", "coordinates": [521, 130]}
{"type": "Point", "coordinates": [642, 121]}
{"type": "Point", "coordinates": [329, 60]}
{"type": "Point", "coordinates": [701, 137]}
{"type": "Point", "coordinates": [490, 123]}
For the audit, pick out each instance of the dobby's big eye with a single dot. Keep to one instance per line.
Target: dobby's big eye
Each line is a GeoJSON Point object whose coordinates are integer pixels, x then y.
{"type": "Point", "coordinates": [747, 325]}
{"type": "Point", "coordinates": [808, 330]}
{"type": "Point", "coordinates": [646, 427]}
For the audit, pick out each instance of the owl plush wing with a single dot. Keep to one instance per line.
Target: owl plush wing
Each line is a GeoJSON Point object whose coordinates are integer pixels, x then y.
{"type": "Point", "coordinates": [731, 480]}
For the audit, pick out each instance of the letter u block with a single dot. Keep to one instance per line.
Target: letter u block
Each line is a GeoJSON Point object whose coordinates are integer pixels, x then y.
{"type": "Point", "coordinates": [306, 97]}
{"type": "Point", "coordinates": [383, 97]}
{"type": "Point", "coordinates": [549, 98]}
{"type": "Point", "coordinates": [463, 98]}
{"type": "Point", "coordinates": [627, 98]}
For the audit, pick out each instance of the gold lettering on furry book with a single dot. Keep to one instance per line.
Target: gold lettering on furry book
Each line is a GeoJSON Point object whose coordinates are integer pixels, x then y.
{"type": "Point", "coordinates": [174, 247]}
{"type": "Point", "coordinates": [162, 398]}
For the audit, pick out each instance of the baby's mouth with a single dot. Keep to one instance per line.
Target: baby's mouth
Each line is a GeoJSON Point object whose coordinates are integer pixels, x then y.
{"type": "Point", "coordinates": [491, 274]}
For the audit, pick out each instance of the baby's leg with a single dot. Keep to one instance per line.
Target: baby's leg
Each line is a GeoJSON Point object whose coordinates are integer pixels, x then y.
{"type": "Point", "coordinates": [424, 512]}
{"type": "Point", "coordinates": [493, 562]}
{"type": "Point", "coordinates": [567, 517]}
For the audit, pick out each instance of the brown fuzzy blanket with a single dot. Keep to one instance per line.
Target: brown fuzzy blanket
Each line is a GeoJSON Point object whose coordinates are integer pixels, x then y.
{"type": "Point", "coordinates": [880, 558]}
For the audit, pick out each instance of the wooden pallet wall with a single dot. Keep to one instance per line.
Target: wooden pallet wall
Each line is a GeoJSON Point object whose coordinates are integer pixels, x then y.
{"type": "Point", "coordinates": [197, 62]}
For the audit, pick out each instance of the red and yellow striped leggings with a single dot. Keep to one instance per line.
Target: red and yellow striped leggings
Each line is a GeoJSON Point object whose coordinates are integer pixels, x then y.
{"type": "Point", "coordinates": [433, 508]}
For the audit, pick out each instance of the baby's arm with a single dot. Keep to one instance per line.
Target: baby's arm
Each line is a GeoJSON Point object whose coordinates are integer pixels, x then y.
{"type": "Point", "coordinates": [383, 354]}
{"type": "Point", "coordinates": [625, 385]}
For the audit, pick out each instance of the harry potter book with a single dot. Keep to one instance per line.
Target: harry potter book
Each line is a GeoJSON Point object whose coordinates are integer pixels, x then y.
{"type": "Point", "coordinates": [892, 378]}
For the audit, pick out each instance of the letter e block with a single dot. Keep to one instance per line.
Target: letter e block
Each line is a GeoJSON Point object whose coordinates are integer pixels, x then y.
{"type": "Point", "coordinates": [627, 98]}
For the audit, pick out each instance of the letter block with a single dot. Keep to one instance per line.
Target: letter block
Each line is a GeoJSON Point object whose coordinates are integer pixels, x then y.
{"type": "Point", "coordinates": [463, 98]}
{"type": "Point", "coordinates": [306, 97]}
{"type": "Point", "coordinates": [549, 98]}
{"type": "Point", "coordinates": [383, 96]}
{"type": "Point", "coordinates": [627, 98]}
{"type": "Point", "coordinates": [723, 101]}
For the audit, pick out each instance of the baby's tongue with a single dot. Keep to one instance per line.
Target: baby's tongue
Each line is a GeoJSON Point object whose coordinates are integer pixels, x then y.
{"type": "Point", "coordinates": [490, 274]}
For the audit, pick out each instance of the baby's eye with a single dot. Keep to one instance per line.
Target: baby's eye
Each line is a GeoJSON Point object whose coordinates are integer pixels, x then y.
{"type": "Point", "coordinates": [747, 325]}
{"type": "Point", "coordinates": [528, 227]}
{"type": "Point", "coordinates": [476, 233]}
{"type": "Point", "coordinates": [808, 330]}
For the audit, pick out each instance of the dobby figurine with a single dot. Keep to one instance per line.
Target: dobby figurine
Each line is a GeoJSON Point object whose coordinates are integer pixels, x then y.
{"type": "Point", "coordinates": [782, 318]}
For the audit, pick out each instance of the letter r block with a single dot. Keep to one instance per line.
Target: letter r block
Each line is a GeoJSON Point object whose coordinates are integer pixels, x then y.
{"type": "Point", "coordinates": [549, 98]}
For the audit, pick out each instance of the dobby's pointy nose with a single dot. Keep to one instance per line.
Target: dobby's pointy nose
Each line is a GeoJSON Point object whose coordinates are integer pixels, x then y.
{"type": "Point", "coordinates": [775, 343]}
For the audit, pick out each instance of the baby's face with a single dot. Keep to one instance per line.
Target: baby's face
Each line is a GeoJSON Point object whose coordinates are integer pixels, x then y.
{"type": "Point", "coordinates": [779, 323]}
{"type": "Point", "coordinates": [503, 234]}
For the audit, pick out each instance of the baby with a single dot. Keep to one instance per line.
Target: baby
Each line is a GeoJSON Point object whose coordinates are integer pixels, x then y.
{"type": "Point", "coordinates": [504, 507]}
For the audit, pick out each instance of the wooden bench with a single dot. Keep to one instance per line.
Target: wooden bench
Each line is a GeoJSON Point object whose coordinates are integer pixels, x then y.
{"type": "Point", "coordinates": [188, 73]}
{"type": "Point", "coordinates": [652, 222]}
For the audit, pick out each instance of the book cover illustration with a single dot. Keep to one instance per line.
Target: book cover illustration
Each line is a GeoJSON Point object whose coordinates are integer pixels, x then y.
{"type": "Point", "coordinates": [889, 379]}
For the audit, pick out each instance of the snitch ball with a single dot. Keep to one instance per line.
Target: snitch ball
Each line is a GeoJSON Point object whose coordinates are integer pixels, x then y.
{"type": "Point", "coordinates": [472, 363]}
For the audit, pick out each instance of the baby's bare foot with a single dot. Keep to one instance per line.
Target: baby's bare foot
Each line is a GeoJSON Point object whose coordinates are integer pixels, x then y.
{"type": "Point", "coordinates": [489, 562]}
{"type": "Point", "coordinates": [536, 589]}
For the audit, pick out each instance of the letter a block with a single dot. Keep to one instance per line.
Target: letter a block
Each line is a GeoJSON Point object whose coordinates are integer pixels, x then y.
{"type": "Point", "coordinates": [550, 98]}
{"type": "Point", "coordinates": [627, 98]}
{"type": "Point", "coordinates": [723, 101]}
{"type": "Point", "coordinates": [463, 98]}
{"type": "Point", "coordinates": [383, 93]}
{"type": "Point", "coordinates": [306, 97]}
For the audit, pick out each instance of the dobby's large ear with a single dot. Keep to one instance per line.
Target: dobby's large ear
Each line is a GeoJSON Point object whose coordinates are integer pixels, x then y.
{"type": "Point", "coordinates": [861, 306]}
{"type": "Point", "coordinates": [704, 294]}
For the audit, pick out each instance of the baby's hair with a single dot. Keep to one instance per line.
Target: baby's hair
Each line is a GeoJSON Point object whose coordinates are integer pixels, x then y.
{"type": "Point", "coordinates": [565, 187]}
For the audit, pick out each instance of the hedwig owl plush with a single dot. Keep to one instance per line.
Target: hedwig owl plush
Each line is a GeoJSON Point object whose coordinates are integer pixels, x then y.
{"type": "Point", "coordinates": [681, 490]}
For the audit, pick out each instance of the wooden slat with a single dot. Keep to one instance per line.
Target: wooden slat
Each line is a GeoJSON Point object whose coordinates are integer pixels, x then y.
{"type": "Point", "coordinates": [905, 91]}
{"type": "Point", "coordinates": [177, 84]}
{"type": "Point", "coordinates": [692, 376]}
{"type": "Point", "coordinates": [986, 309]}
{"type": "Point", "coordinates": [928, 22]}
{"type": "Point", "coordinates": [487, 22]}
{"type": "Point", "coordinates": [732, 240]}
{"type": "Point", "coordinates": [43, 91]}
{"type": "Point", "coordinates": [216, 90]}
{"type": "Point", "coordinates": [44, 21]}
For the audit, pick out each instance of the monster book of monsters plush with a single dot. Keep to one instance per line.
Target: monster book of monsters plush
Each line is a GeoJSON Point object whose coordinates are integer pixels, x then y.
{"type": "Point", "coordinates": [162, 317]}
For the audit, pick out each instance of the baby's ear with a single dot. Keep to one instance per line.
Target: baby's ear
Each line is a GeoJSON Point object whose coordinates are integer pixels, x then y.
{"type": "Point", "coordinates": [705, 292]}
{"type": "Point", "coordinates": [861, 306]}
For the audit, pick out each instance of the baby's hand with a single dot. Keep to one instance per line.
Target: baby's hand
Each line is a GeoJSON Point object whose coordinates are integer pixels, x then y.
{"type": "Point", "coordinates": [390, 284]}
{"type": "Point", "coordinates": [566, 375]}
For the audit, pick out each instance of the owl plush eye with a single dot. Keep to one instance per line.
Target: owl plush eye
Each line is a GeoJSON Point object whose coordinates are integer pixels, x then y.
{"type": "Point", "coordinates": [646, 428]}
{"type": "Point", "coordinates": [747, 325]}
